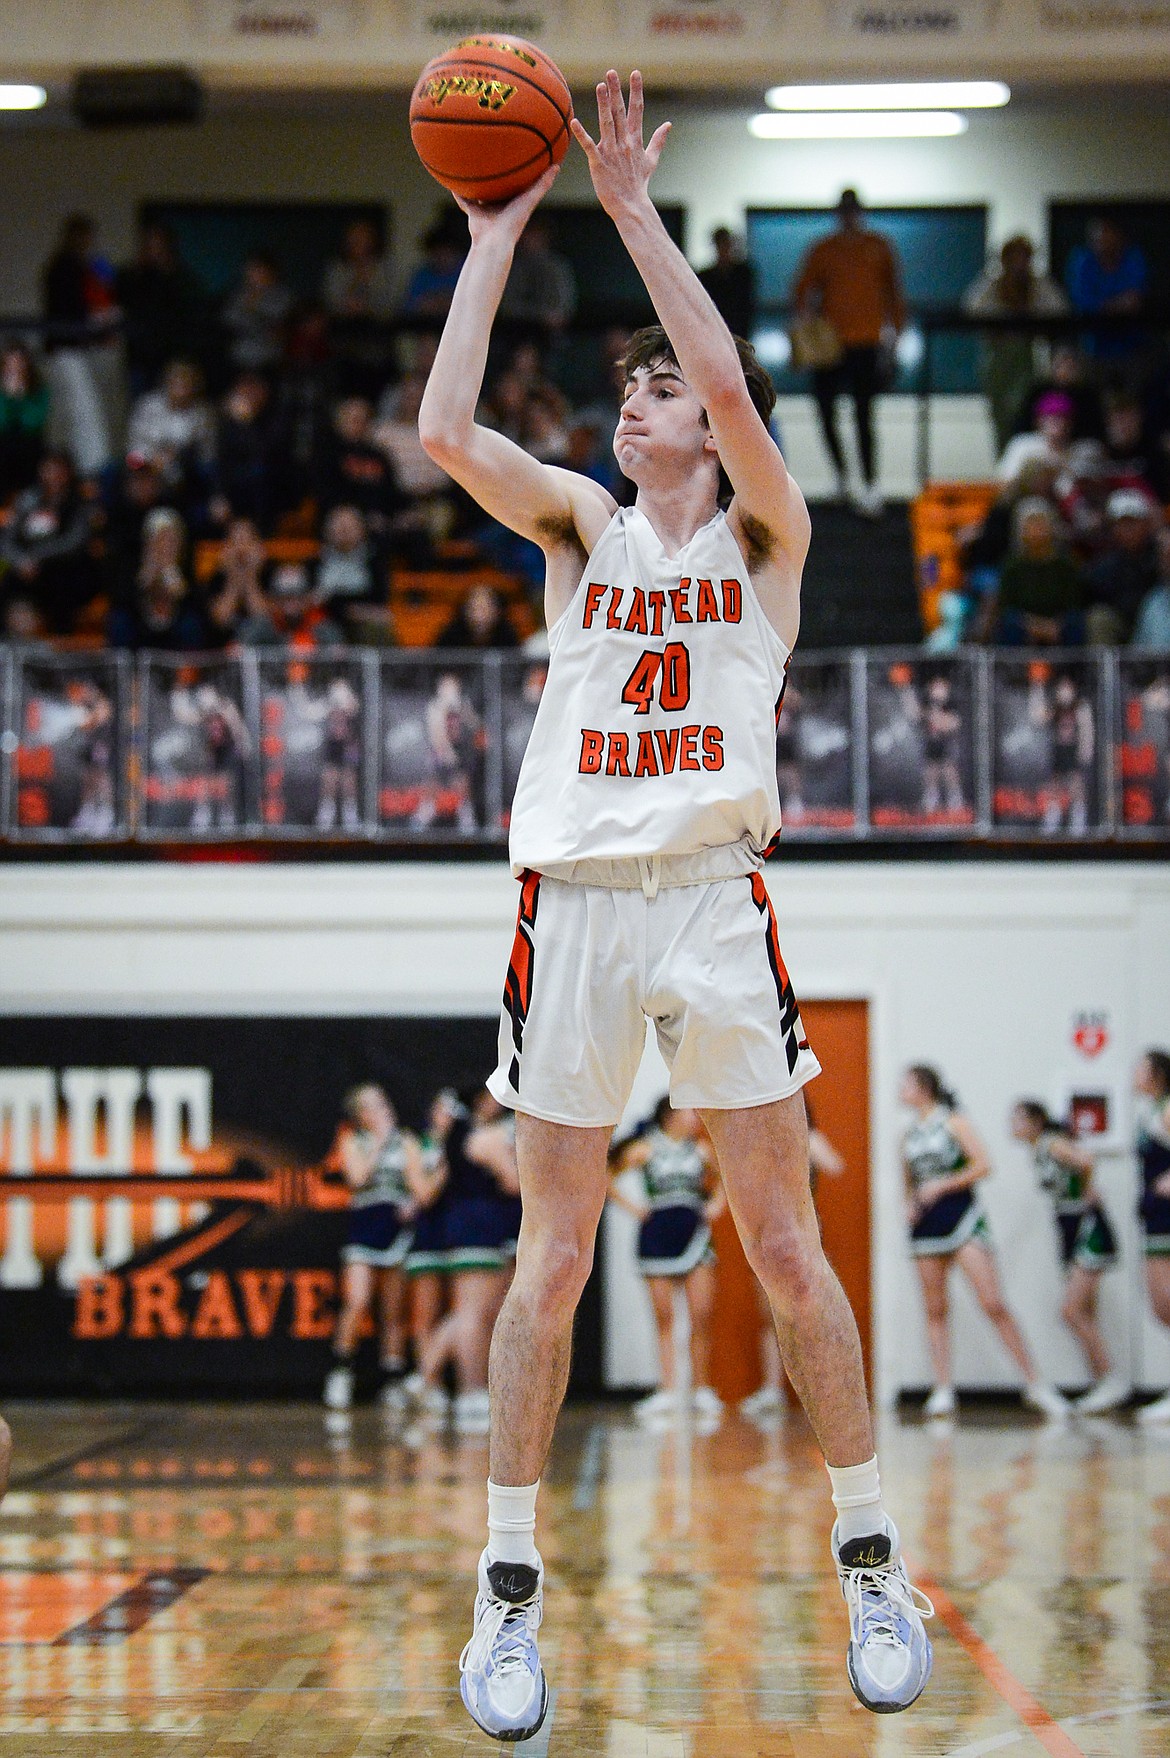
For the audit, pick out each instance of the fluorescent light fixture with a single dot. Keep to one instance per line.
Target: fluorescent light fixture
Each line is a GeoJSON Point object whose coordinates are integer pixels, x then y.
{"type": "Point", "coordinates": [22, 97]}
{"type": "Point", "coordinates": [957, 94]}
{"type": "Point", "coordinates": [858, 125]}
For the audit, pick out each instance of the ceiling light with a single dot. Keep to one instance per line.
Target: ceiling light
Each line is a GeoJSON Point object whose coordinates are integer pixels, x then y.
{"type": "Point", "coordinates": [962, 94]}
{"type": "Point", "coordinates": [855, 125]}
{"type": "Point", "coordinates": [22, 97]}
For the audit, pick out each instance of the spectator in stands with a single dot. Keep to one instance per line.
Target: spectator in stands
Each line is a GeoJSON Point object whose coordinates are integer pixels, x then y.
{"type": "Point", "coordinates": [235, 593]}
{"type": "Point", "coordinates": [540, 295]}
{"type": "Point", "coordinates": [1127, 572]}
{"type": "Point", "coordinates": [140, 490]}
{"type": "Point", "coordinates": [80, 306]}
{"type": "Point", "coordinates": [432, 285]}
{"type": "Point", "coordinates": [852, 280]}
{"type": "Point", "coordinates": [20, 626]}
{"type": "Point", "coordinates": [163, 305]}
{"type": "Point", "coordinates": [358, 294]}
{"type": "Point", "coordinates": [354, 470]}
{"type": "Point", "coordinates": [480, 621]}
{"type": "Point", "coordinates": [174, 428]}
{"type": "Point", "coordinates": [1011, 288]}
{"type": "Point", "coordinates": [24, 407]}
{"type": "Point", "coordinates": [1132, 459]}
{"type": "Point", "coordinates": [731, 282]}
{"type": "Point", "coordinates": [1109, 275]}
{"type": "Point", "coordinates": [528, 407]}
{"type": "Point", "coordinates": [255, 314]}
{"type": "Point", "coordinates": [1152, 628]}
{"type": "Point", "coordinates": [1041, 596]}
{"type": "Point", "coordinates": [45, 547]}
{"type": "Point", "coordinates": [163, 615]}
{"type": "Point", "coordinates": [1067, 374]}
{"type": "Point", "coordinates": [292, 616]}
{"type": "Point", "coordinates": [349, 569]}
{"type": "Point", "coordinates": [305, 396]}
{"type": "Point", "coordinates": [246, 479]}
{"type": "Point", "coordinates": [430, 500]}
{"type": "Point", "coordinates": [1049, 441]}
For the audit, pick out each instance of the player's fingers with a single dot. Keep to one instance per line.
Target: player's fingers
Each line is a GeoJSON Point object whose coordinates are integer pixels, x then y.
{"type": "Point", "coordinates": [605, 128]}
{"type": "Point", "coordinates": [636, 105]}
{"type": "Point", "coordinates": [656, 143]}
{"type": "Point", "coordinates": [583, 138]}
{"type": "Point", "coordinates": [617, 102]}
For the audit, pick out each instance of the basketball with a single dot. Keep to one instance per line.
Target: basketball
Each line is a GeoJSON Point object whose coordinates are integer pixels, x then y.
{"type": "Point", "coordinates": [490, 116]}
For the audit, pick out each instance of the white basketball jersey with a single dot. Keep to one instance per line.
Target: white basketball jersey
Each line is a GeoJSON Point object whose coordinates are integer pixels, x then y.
{"type": "Point", "coordinates": [656, 732]}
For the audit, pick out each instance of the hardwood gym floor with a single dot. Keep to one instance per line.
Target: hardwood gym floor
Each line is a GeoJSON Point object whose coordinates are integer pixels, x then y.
{"type": "Point", "coordinates": [212, 1581]}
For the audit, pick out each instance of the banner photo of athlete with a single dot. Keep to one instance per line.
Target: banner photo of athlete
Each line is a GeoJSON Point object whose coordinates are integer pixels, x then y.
{"type": "Point", "coordinates": [1046, 736]}
{"type": "Point", "coordinates": [171, 1208]}
{"type": "Point", "coordinates": [198, 745]}
{"type": "Point", "coordinates": [434, 774]}
{"type": "Point", "coordinates": [314, 775]}
{"type": "Point", "coordinates": [522, 684]}
{"type": "Point", "coordinates": [816, 750]}
{"type": "Point", "coordinates": [921, 736]}
{"type": "Point", "coordinates": [1143, 744]}
{"type": "Point", "coordinates": [70, 715]}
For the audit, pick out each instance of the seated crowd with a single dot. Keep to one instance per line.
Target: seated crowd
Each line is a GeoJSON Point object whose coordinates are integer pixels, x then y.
{"type": "Point", "coordinates": [179, 477]}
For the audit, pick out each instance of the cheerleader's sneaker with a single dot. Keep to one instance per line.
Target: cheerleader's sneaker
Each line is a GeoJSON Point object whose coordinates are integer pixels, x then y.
{"type": "Point", "coordinates": [889, 1657]}
{"type": "Point", "coordinates": [502, 1682]}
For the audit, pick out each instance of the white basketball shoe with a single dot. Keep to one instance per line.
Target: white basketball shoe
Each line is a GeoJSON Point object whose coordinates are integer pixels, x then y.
{"type": "Point", "coordinates": [890, 1656]}
{"type": "Point", "coordinates": [502, 1682]}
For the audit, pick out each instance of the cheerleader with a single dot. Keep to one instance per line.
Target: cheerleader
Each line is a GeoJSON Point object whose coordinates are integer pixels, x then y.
{"type": "Point", "coordinates": [682, 1200]}
{"type": "Point", "coordinates": [384, 1169]}
{"type": "Point", "coordinates": [943, 1161]}
{"type": "Point", "coordinates": [1088, 1246]}
{"type": "Point", "coordinates": [1152, 1086]}
{"type": "Point", "coordinates": [426, 1260]}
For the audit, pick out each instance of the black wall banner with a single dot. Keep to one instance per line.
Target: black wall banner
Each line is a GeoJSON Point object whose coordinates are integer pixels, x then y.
{"type": "Point", "coordinates": [170, 1217]}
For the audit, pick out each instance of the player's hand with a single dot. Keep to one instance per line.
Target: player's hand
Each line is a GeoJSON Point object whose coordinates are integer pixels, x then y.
{"type": "Point", "coordinates": [620, 165]}
{"type": "Point", "coordinates": [505, 220]}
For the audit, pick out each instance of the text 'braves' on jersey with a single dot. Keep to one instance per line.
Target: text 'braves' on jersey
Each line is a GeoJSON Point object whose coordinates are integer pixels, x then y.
{"type": "Point", "coordinates": [656, 733]}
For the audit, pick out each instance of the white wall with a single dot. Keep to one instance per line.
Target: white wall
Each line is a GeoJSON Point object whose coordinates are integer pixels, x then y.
{"type": "Point", "coordinates": [980, 968]}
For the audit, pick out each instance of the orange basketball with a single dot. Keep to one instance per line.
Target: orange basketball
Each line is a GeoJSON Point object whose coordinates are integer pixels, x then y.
{"type": "Point", "coordinates": [490, 116]}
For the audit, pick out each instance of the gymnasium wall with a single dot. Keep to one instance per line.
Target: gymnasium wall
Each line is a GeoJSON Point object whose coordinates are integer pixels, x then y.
{"type": "Point", "coordinates": [992, 971]}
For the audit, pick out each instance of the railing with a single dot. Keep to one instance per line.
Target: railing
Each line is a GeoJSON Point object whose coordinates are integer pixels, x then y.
{"type": "Point", "coordinates": [422, 749]}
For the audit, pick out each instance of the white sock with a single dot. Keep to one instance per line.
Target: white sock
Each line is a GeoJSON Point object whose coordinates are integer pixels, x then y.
{"type": "Point", "coordinates": [512, 1523]}
{"type": "Point", "coordinates": [857, 1497]}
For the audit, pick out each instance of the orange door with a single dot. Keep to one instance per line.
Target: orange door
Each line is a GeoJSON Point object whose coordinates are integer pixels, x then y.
{"type": "Point", "coordinates": [839, 1102]}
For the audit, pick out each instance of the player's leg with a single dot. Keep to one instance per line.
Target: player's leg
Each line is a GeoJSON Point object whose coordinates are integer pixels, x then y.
{"type": "Point", "coordinates": [763, 1160]}
{"type": "Point", "coordinates": [1158, 1287]}
{"type": "Point", "coordinates": [1078, 1310]}
{"type": "Point", "coordinates": [700, 1293]}
{"type": "Point", "coordinates": [477, 1299]}
{"type": "Point", "coordinates": [357, 1290]}
{"type": "Point", "coordinates": [977, 1262]}
{"type": "Point", "coordinates": [392, 1310]}
{"type": "Point", "coordinates": [934, 1276]}
{"type": "Point", "coordinates": [661, 1292]}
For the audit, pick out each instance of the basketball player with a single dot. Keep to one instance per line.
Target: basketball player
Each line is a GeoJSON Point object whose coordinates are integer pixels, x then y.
{"type": "Point", "coordinates": [1088, 1246]}
{"type": "Point", "coordinates": [645, 804]}
{"type": "Point", "coordinates": [1152, 1086]}
{"type": "Point", "coordinates": [944, 1160]}
{"type": "Point", "coordinates": [384, 1169]}
{"type": "Point", "coordinates": [674, 1245]}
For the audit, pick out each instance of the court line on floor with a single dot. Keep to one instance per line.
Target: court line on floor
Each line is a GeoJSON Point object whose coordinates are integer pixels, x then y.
{"type": "Point", "coordinates": [589, 1470]}
{"type": "Point", "coordinates": [125, 1437]}
{"type": "Point", "coordinates": [998, 1675]}
{"type": "Point", "coordinates": [1000, 1742]}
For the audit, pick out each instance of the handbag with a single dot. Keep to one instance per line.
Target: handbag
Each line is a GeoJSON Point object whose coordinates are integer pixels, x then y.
{"type": "Point", "coordinates": [816, 346]}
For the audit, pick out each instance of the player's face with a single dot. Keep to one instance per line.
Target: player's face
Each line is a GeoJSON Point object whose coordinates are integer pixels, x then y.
{"type": "Point", "coordinates": [662, 427]}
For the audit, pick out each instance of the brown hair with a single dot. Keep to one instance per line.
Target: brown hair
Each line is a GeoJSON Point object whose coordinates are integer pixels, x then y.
{"type": "Point", "coordinates": [1159, 1061]}
{"type": "Point", "coordinates": [651, 346]}
{"type": "Point", "coordinates": [931, 1082]}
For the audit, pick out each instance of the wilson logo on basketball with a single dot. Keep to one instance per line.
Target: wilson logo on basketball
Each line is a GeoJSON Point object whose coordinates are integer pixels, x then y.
{"type": "Point", "coordinates": [489, 94]}
{"type": "Point", "coordinates": [506, 46]}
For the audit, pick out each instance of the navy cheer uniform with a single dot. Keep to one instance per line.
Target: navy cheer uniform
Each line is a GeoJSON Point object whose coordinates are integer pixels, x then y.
{"type": "Point", "coordinates": [674, 1238]}
{"type": "Point", "coordinates": [482, 1222]}
{"type": "Point", "coordinates": [932, 1150]}
{"type": "Point", "coordinates": [379, 1234]}
{"type": "Point", "coordinates": [1153, 1150]}
{"type": "Point", "coordinates": [426, 1256]}
{"type": "Point", "coordinates": [1086, 1234]}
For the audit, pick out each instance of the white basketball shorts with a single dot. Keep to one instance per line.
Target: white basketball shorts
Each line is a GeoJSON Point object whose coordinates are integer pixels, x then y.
{"type": "Point", "coordinates": [591, 964]}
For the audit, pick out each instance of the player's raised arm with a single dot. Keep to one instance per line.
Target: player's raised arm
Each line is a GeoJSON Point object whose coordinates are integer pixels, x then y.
{"type": "Point", "coordinates": [768, 513]}
{"type": "Point", "coordinates": [553, 507]}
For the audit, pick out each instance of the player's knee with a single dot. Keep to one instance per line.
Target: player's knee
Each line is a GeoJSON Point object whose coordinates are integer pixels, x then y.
{"type": "Point", "coordinates": [789, 1263]}
{"type": "Point", "coordinates": [554, 1269]}
{"type": "Point", "coordinates": [996, 1311]}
